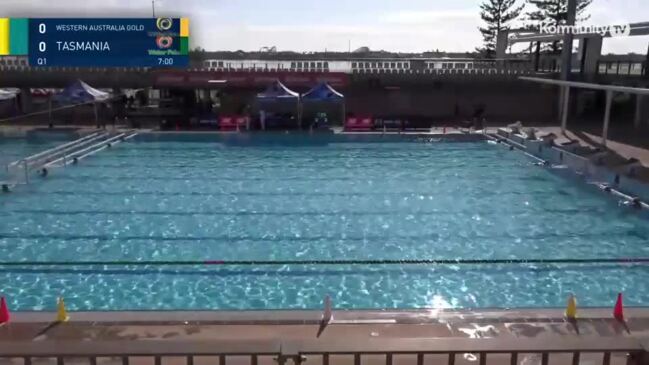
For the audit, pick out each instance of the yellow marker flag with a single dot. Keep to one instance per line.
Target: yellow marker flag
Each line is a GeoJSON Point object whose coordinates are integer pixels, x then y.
{"type": "Point", "coordinates": [4, 36]}
{"type": "Point", "coordinates": [571, 309]}
{"type": "Point", "coordinates": [61, 313]}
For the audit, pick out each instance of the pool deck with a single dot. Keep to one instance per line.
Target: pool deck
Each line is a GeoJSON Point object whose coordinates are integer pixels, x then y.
{"type": "Point", "coordinates": [249, 325]}
{"type": "Point", "coordinates": [508, 327]}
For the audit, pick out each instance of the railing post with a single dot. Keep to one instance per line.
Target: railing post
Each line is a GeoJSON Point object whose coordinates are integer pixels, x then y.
{"type": "Point", "coordinates": [514, 358]}
{"type": "Point", "coordinates": [607, 359]}
{"type": "Point", "coordinates": [451, 358]}
{"type": "Point", "coordinates": [607, 116]}
{"type": "Point", "coordinates": [26, 172]}
{"type": "Point", "coordinates": [575, 357]}
{"type": "Point", "coordinates": [545, 358]}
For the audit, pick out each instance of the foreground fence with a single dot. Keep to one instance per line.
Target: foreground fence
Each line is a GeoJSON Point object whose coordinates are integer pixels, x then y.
{"type": "Point", "coordinates": [379, 351]}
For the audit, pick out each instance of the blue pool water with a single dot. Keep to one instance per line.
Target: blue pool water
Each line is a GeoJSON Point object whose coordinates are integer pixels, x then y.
{"type": "Point", "coordinates": [165, 200]}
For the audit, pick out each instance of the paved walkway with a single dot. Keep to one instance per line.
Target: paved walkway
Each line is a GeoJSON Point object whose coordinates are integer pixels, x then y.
{"type": "Point", "coordinates": [623, 149]}
{"type": "Point", "coordinates": [348, 326]}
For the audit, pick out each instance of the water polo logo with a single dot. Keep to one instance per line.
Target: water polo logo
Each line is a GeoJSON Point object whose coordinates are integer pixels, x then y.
{"type": "Point", "coordinates": [164, 24]}
{"type": "Point", "coordinates": [164, 41]}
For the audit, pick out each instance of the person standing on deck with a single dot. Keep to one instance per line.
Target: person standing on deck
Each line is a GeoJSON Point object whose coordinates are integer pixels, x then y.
{"type": "Point", "coordinates": [262, 119]}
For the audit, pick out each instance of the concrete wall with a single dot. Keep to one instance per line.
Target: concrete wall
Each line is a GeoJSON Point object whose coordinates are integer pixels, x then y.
{"type": "Point", "coordinates": [504, 102]}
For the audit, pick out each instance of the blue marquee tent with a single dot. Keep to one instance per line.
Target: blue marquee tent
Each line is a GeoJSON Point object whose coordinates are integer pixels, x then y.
{"type": "Point", "coordinates": [279, 93]}
{"type": "Point", "coordinates": [277, 90]}
{"type": "Point", "coordinates": [324, 93]}
{"type": "Point", "coordinates": [79, 92]}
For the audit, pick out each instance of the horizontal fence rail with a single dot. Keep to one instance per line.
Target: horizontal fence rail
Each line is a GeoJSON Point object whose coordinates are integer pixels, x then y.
{"type": "Point", "coordinates": [630, 260]}
{"type": "Point", "coordinates": [297, 351]}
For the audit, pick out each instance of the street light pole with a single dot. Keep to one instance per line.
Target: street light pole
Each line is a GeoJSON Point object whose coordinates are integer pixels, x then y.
{"type": "Point", "coordinates": [153, 7]}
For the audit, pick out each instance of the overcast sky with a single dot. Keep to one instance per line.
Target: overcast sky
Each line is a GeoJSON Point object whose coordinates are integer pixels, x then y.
{"type": "Point", "coordinates": [310, 25]}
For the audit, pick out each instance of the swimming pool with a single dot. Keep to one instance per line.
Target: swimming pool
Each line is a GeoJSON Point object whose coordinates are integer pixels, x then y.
{"type": "Point", "coordinates": [310, 198]}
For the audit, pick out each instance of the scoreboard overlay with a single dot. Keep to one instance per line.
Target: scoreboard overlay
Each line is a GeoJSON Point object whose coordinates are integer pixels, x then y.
{"type": "Point", "coordinates": [97, 42]}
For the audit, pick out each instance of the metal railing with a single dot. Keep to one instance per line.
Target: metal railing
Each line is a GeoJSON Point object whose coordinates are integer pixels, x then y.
{"type": "Point", "coordinates": [44, 155]}
{"type": "Point", "coordinates": [381, 351]}
{"type": "Point", "coordinates": [108, 141]}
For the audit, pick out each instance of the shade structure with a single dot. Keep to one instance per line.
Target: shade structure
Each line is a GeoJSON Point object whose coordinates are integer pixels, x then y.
{"type": "Point", "coordinates": [79, 92]}
{"type": "Point", "coordinates": [9, 103]}
{"type": "Point", "coordinates": [610, 91]}
{"type": "Point", "coordinates": [278, 94]}
{"type": "Point", "coordinates": [323, 95]}
{"type": "Point", "coordinates": [322, 92]}
{"type": "Point", "coordinates": [277, 91]}
{"type": "Point", "coordinates": [7, 94]}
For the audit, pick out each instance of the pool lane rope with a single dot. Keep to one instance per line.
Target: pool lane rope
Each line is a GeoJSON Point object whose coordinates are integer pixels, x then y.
{"type": "Point", "coordinates": [333, 262]}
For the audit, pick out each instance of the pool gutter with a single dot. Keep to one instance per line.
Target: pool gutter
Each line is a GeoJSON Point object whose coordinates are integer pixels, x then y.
{"type": "Point", "coordinates": [406, 316]}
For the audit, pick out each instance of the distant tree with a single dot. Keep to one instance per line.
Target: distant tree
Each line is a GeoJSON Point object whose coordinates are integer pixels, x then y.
{"type": "Point", "coordinates": [197, 56]}
{"type": "Point", "coordinates": [554, 12]}
{"type": "Point", "coordinates": [497, 16]}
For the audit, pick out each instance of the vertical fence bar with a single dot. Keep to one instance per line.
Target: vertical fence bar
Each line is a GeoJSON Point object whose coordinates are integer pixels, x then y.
{"type": "Point", "coordinates": [357, 359]}
{"type": "Point", "coordinates": [253, 359]}
{"type": "Point", "coordinates": [451, 358]}
{"type": "Point", "coordinates": [157, 360]}
{"type": "Point", "coordinates": [221, 359]}
{"type": "Point", "coordinates": [92, 360]}
{"type": "Point", "coordinates": [545, 358]}
{"type": "Point", "coordinates": [190, 360]}
{"type": "Point", "coordinates": [125, 360]}
{"type": "Point", "coordinates": [607, 359]}
{"type": "Point", "coordinates": [514, 358]}
{"type": "Point", "coordinates": [388, 359]}
{"type": "Point", "coordinates": [59, 360]}
{"type": "Point", "coordinates": [325, 359]}
{"type": "Point", "coordinates": [483, 358]}
{"type": "Point", "coordinates": [575, 357]}
{"type": "Point", "coordinates": [27, 360]}
{"type": "Point", "coordinates": [26, 172]}
{"type": "Point", "coordinates": [420, 359]}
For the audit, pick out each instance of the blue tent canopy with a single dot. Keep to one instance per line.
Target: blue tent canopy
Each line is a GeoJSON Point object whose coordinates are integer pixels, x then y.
{"type": "Point", "coordinates": [322, 92]}
{"type": "Point", "coordinates": [80, 92]}
{"type": "Point", "coordinates": [277, 90]}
